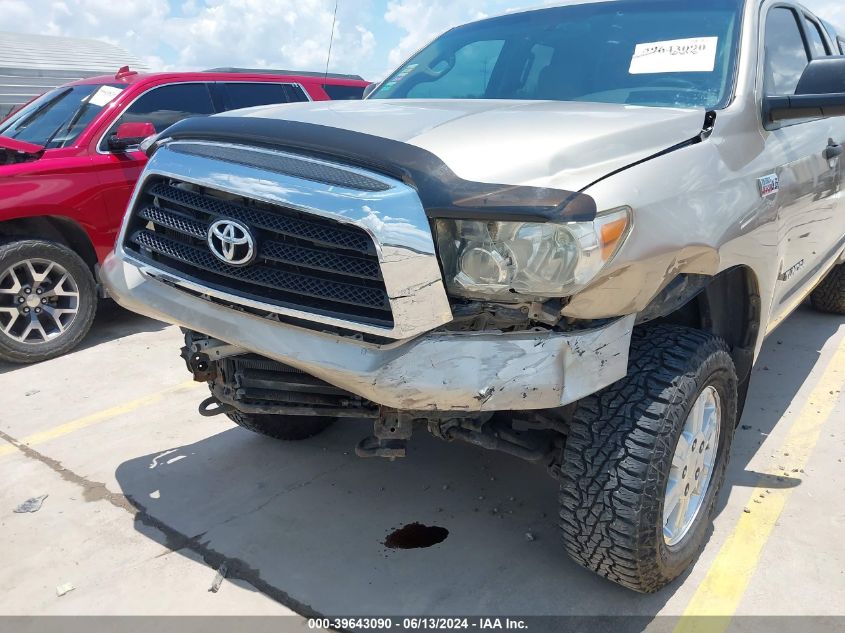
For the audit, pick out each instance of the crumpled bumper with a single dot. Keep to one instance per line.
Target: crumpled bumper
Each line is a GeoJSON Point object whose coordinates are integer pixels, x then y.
{"type": "Point", "coordinates": [440, 371]}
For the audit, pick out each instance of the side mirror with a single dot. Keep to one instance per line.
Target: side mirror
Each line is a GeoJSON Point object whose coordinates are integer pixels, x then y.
{"type": "Point", "coordinates": [820, 93]}
{"type": "Point", "coordinates": [130, 135]}
{"type": "Point", "coordinates": [369, 90]}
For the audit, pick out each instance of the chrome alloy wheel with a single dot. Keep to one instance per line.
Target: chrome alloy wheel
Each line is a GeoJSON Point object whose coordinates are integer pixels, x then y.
{"type": "Point", "coordinates": [39, 300]}
{"type": "Point", "coordinates": [692, 466]}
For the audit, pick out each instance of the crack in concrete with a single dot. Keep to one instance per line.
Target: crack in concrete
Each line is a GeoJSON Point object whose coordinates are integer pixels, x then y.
{"type": "Point", "coordinates": [284, 491]}
{"type": "Point", "coordinates": [174, 540]}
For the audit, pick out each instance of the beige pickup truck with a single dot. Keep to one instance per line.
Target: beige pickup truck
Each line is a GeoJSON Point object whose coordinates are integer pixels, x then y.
{"type": "Point", "coordinates": [562, 233]}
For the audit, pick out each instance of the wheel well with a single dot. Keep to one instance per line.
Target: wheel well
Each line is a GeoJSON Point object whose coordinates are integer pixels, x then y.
{"type": "Point", "coordinates": [727, 305]}
{"type": "Point", "coordinates": [56, 229]}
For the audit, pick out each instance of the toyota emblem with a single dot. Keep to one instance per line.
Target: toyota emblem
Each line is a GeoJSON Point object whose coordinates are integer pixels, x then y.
{"type": "Point", "coordinates": [231, 242]}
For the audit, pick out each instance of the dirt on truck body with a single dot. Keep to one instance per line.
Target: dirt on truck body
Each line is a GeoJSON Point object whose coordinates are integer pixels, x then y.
{"type": "Point", "coordinates": [570, 258]}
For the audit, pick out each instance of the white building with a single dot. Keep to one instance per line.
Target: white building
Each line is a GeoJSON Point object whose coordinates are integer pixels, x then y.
{"type": "Point", "coordinates": [30, 65]}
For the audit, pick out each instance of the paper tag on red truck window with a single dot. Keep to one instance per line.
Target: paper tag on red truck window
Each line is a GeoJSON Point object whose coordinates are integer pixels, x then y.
{"type": "Point", "coordinates": [697, 54]}
{"type": "Point", "coordinates": [104, 95]}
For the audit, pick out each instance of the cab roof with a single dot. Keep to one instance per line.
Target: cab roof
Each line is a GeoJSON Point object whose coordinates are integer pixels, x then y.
{"type": "Point", "coordinates": [129, 77]}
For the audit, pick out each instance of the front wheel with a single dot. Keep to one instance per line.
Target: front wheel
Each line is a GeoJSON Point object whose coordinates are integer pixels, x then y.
{"type": "Point", "coordinates": [646, 457]}
{"type": "Point", "coordinates": [48, 299]}
{"type": "Point", "coordinates": [289, 428]}
{"type": "Point", "coordinates": [829, 295]}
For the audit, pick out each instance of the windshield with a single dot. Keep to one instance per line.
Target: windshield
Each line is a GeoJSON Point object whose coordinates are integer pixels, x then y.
{"type": "Point", "coordinates": [58, 117]}
{"type": "Point", "coordinates": [672, 53]}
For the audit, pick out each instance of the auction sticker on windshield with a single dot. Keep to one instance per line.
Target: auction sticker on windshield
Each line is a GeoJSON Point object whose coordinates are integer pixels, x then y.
{"type": "Point", "coordinates": [104, 95]}
{"type": "Point", "coordinates": [697, 54]}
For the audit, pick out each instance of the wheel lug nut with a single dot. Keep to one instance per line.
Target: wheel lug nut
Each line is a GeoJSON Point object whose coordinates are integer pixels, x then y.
{"type": "Point", "coordinates": [27, 291]}
{"type": "Point", "coordinates": [44, 300]}
{"type": "Point", "coordinates": [26, 310]}
{"type": "Point", "coordinates": [686, 491]}
{"type": "Point", "coordinates": [684, 474]}
{"type": "Point", "coordinates": [697, 474]}
{"type": "Point", "coordinates": [21, 299]}
{"type": "Point", "coordinates": [37, 310]}
{"type": "Point", "coordinates": [40, 291]}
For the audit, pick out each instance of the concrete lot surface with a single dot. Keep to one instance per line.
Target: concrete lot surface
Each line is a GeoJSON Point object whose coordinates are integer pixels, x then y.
{"type": "Point", "coordinates": [146, 499]}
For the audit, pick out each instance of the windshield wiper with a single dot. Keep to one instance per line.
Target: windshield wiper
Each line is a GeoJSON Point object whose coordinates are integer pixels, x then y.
{"type": "Point", "coordinates": [62, 127]}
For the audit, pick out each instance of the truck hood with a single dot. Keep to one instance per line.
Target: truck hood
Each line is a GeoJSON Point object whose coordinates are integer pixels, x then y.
{"type": "Point", "coordinates": [564, 145]}
{"type": "Point", "coordinates": [13, 151]}
{"type": "Point", "coordinates": [20, 146]}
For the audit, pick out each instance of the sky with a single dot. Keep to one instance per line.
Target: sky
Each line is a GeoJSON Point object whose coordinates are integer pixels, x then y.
{"type": "Point", "coordinates": [371, 36]}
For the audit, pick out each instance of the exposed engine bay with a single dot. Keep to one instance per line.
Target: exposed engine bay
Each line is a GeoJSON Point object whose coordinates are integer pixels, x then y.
{"type": "Point", "coordinates": [13, 157]}
{"type": "Point", "coordinates": [254, 385]}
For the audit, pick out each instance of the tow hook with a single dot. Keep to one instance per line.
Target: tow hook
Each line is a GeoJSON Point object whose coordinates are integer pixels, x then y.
{"type": "Point", "coordinates": [211, 407]}
{"type": "Point", "coordinates": [391, 432]}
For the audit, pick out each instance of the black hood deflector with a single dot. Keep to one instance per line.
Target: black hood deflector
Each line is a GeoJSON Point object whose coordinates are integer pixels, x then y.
{"type": "Point", "coordinates": [442, 192]}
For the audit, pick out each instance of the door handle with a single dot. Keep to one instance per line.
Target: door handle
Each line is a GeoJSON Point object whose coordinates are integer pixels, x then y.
{"type": "Point", "coordinates": [834, 150]}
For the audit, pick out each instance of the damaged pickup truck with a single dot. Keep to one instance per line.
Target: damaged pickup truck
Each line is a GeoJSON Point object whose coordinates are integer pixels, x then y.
{"type": "Point", "coordinates": [562, 233]}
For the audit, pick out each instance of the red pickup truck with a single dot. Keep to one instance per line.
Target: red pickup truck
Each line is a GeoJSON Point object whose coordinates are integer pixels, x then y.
{"type": "Point", "coordinates": [68, 163]}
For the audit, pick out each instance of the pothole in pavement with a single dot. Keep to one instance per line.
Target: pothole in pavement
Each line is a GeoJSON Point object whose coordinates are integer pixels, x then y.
{"type": "Point", "coordinates": [416, 536]}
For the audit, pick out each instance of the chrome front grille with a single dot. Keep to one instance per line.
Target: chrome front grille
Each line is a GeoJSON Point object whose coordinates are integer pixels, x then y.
{"type": "Point", "coordinates": [331, 247]}
{"type": "Point", "coordinates": [302, 262]}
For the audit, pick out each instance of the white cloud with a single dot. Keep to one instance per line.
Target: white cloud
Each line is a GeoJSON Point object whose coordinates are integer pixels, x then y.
{"type": "Point", "coordinates": [252, 33]}
{"type": "Point", "coordinates": [130, 25]}
{"type": "Point", "coordinates": [831, 10]}
{"type": "Point", "coordinates": [422, 20]}
{"type": "Point", "coordinates": [292, 33]}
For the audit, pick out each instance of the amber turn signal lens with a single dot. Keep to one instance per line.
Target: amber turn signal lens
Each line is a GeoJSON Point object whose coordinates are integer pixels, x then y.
{"type": "Point", "coordinates": [611, 233]}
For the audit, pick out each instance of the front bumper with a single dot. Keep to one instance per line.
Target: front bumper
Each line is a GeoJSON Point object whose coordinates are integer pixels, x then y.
{"type": "Point", "coordinates": [439, 371]}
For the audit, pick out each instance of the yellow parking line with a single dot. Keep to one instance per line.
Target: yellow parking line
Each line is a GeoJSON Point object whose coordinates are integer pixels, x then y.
{"type": "Point", "coordinates": [96, 418]}
{"type": "Point", "coordinates": [717, 598]}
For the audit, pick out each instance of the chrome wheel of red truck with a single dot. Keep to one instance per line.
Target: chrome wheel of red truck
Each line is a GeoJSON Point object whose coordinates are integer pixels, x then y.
{"type": "Point", "coordinates": [47, 300]}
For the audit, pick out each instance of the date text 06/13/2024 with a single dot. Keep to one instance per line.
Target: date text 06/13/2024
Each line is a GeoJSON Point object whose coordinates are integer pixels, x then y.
{"type": "Point", "coordinates": [413, 624]}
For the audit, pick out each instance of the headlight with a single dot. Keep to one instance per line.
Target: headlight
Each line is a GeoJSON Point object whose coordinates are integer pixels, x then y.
{"type": "Point", "coordinates": [512, 261]}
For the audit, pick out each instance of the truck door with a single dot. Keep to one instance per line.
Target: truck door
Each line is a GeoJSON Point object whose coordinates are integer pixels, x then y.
{"type": "Point", "coordinates": [162, 106]}
{"type": "Point", "coordinates": [247, 94]}
{"type": "Point", "coordinates": [805, 176]}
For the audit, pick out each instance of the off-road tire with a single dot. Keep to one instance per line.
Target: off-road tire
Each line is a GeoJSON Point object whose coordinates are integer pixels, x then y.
{"type": "Point", "coordinates": [619, 451]}
{"type": "Point", "coordinates": [12, 252]}
{"type": "Point", "coordinates": [829, 295]}
{"type": "Point", "coordinates": [290, 428]}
